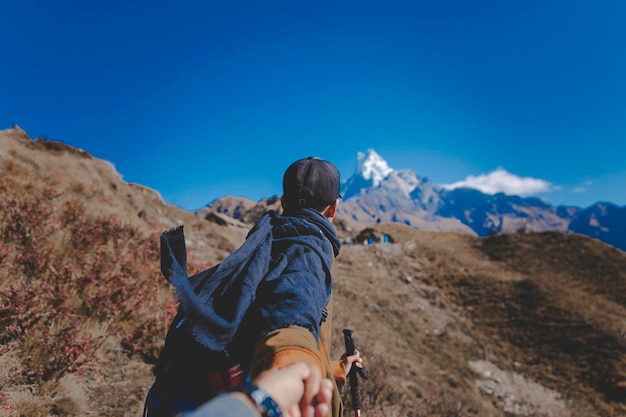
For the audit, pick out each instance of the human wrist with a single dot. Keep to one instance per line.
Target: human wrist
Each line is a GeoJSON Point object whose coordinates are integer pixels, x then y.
{"type": "Point", "coordinates": [259, 398]}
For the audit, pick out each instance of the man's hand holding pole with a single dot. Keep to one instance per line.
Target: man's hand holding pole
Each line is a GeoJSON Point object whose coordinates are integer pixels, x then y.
{"type": "Point", "coordinates": [354, 370]}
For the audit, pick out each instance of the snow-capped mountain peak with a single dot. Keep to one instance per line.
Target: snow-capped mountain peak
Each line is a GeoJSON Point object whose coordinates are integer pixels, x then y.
{"type": "Point", "coordinates": [372, 166]}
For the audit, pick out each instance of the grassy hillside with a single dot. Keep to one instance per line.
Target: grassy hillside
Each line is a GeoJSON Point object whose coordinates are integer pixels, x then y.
{"type": "Point", "coordinates": [451, 325]}
{"type": "Point", "coordinates": [522, 324]}
{"type": "Point", "coordinates": [83, 307]}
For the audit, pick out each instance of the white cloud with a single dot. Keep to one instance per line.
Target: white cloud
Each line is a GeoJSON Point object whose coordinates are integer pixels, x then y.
{"type": "Point", "coordinates": [502, 181]}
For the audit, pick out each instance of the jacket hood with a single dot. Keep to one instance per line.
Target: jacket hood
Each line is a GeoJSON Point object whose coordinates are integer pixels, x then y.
{"type": "Point", "coordinates": [305, 221]}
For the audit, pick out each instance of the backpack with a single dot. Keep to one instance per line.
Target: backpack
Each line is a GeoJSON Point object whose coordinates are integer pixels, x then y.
{"type": "Point", "coordinates": [187, 373]}
{"type": "Point", "coordinates": [185, 367]}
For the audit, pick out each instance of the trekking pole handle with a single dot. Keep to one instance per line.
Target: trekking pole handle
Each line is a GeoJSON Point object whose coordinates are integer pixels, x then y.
{"type": "Point", "coordinates": [351, 350]}
{"type": "Point", "coordinates": [354, 383]}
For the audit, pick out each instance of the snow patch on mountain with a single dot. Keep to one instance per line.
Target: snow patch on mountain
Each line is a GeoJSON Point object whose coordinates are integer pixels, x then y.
{"type": "Point", "coordinates": [372, 166]}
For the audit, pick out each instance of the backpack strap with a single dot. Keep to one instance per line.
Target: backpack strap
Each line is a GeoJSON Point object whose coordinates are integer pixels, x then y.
{"type": "Point", "coordinates": [332, 250]}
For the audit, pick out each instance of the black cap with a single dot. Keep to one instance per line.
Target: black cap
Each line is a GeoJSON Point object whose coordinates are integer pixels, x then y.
{"type": "Point", "coordinates": [311, 182]}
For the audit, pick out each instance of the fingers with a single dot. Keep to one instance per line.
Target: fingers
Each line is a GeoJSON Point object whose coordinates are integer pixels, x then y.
{"type": "Point", "coordinates": [320, 405]}
{"type": "Point", "coordinates": [349, 359]}
{"type": "Point", "coordinates": [358, 360]}
{"type": "Point", "coordinates": [322, 410]}
{"type": "Point", "coordinates": [312, 386]}
{"type": "Point", "coordinates": [355, 359]}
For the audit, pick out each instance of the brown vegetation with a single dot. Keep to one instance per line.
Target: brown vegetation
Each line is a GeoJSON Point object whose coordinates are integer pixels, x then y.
{"type": "Point", "coordinates": [69, 281]}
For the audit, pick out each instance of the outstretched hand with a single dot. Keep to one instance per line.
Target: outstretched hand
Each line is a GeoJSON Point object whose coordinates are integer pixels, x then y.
{"type": "Point", "coordinates": [299, 389]}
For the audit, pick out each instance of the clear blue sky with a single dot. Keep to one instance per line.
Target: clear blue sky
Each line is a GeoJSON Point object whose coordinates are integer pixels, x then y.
{"type": "Point", "coordinates": [204, 99]}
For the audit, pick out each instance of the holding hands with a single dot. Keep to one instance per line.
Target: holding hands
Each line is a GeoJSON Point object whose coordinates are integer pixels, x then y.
{"type": "Point", "coordinates": [299, 389]}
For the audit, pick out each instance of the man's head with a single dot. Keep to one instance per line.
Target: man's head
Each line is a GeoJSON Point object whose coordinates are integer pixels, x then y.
{"type": "Point", "coordinates": [311, 183]}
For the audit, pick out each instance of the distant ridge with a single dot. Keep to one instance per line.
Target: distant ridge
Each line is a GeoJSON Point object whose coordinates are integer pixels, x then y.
{"type": "Point", "coordinates": [376, 193]}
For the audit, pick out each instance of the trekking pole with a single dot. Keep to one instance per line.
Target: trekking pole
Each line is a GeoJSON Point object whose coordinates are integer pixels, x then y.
{"type": "Point", "coordinates": [352, 375]}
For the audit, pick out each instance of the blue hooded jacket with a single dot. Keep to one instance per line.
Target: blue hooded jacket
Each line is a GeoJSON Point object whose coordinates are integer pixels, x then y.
{"type": "Point", "coordinates": [279, 277]}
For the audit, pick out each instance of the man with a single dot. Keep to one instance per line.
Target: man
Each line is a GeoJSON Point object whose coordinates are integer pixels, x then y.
{"type": "Point", "coordinates": [310, 199]}
{"type": "Point", "coordinates": [267, 305]}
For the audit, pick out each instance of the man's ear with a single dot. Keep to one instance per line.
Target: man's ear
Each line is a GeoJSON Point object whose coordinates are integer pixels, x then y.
{"type": "Point", "coordinates": [332, 209]}
{"type": "Point", "coordinates": [282, 202]}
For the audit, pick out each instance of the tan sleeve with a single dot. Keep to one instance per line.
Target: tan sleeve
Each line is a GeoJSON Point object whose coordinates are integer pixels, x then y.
{"type": "Point", "coordinates": [285, 346]}
{"type": "Point", "coordinates": [339, 372]}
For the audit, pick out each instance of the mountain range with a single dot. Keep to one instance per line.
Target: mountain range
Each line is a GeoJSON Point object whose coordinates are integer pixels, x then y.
{"type": "Point", "coordinates": [377, 193]}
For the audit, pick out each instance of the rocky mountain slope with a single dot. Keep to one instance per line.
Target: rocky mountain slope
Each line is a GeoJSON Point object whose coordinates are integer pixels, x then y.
{"type": "Point", "coordinates": [376, 191]}
{"type": "Point", "coordinates": [521, 324]}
